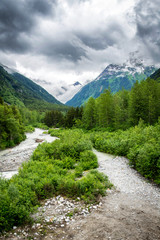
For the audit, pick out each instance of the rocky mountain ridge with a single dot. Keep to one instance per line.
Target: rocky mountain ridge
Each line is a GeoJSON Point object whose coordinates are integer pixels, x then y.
{"type": "Point", "coordinates": [115, 77]}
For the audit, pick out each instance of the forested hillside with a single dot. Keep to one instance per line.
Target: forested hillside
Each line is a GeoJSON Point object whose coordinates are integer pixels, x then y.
{"type": "Point", "coordinates": [121, 124]}
{"type": "Point", "coordinates": [125, 108]}
{"type": "Point", "coordinates": [35, 89]}
{"type": "Point", "coordinates": [125, 123]}
{"type": "Point", "coordinates": [11, 126]}
{"type": "Point", "coordinates": [21, 91]}
{"type": "Point", "coordinates": [156, 75]}
{"type": "Point", "coordinates": [79, 120]}
{"type": "Point", "coordinates": [114, 111]}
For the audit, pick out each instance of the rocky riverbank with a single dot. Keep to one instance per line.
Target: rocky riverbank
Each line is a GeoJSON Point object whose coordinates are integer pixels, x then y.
{"type": "Point", "coordinates": [130, 211]}
{"type": "Point", "coordinates": [55, 215]}
{"type": "Point", "coordinates": [11, 159]}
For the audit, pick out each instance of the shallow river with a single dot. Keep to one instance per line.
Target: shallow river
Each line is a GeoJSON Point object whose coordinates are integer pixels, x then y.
{"type": "Point", "coordinates": [131, 211]}
{"type": "Point", "coordinates": [127, 180]}
{"type": "Point", "coordinates": [12, 158]}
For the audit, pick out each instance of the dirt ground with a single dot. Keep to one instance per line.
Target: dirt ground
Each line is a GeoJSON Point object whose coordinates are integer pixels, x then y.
{"type": "Point", "coordinates": [120, 217]}
{"type": "Point", "coordinates": [131, 211]}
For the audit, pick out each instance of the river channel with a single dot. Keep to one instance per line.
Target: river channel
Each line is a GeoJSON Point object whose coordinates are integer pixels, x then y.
{"type": "Point", "coordinates": [12, 158]}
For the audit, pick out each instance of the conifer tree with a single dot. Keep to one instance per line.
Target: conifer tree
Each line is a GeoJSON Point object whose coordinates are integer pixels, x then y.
{"type": "Point", "coordinates": [89, 118]}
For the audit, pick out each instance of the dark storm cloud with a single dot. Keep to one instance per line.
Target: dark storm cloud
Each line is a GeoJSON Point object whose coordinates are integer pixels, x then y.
{"type": "Point", "coordinates": [103, 39]}
{"type": "Point", "coordinates": [42, 7]}
{"type": "Point", "coordinates": [17, 18]}
{"type": "Point", "coordinates": [11, 42]}
{"type": "Point", "coordinates": [63, 50]}
{"type": "Point", "coordinates": [148, 26]}
{"type": "Point", "coordinates": [18, 21]}
{"type": "Point", "coordinates": [97, 43]}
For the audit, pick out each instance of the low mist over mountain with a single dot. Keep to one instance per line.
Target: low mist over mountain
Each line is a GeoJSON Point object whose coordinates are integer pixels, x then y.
{"type": "Point", "coordinates": [115, 77]}
{"type": "Point", "coordinates": [66, 92]}
{"type": "Point", "coordinates": [63, 91]}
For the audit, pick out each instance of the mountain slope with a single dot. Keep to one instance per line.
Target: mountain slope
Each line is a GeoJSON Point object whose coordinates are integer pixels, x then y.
{"type": "Point", "coordinates": [156, 75]}
{"type": "Point", "coordinates": [19, 90]}
{"type": "Point", "coordinates": [34, 89]}
{"type": "Point", "coordinates": [115, 77]}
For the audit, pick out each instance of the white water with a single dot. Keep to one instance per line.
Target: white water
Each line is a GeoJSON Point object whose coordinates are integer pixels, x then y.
{"type": "Point", "coordinates": [12, 158]}
{"type": "Point", "coordinates": [8, 174]}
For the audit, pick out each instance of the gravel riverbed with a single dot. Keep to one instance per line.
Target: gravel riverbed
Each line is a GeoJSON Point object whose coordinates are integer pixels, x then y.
{"type": "Point", "coordinates": [12, 158]}
{"type": "Point", "coordinates": [130, 211]}
{"type": "Point", "coordinates": [127, 180]}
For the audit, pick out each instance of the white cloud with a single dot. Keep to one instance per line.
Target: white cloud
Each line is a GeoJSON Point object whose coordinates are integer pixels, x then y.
{"type": "Point", "coordinates": [76, 40]}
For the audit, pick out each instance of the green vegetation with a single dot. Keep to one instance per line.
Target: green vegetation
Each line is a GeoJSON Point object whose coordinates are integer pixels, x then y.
{"type": "Point", "coordinates": [156, 75]}
{"type": "Point", "coordinates": [72, 118]}
{"type": "Point", "coordinates": [18, 90]}
{"type": "Point", "coordinates": [11, 126]}
{"type": "Point", "coordinates": [140, 144]}
{"type": "Point", "coordinates": [119, 111]}
{"type": "Point", "coordinates": [14, 122]}
{"type": "Point", "coordinates": [55, 168]}
{"type": "Point", "coordinates": [125, 108]}
{"type": "Point", "coordinates": [53, 118]}
{"type": "Point", "coordinates": [125, 124]}
{"type": "Point", "coordinates": [115, 77]}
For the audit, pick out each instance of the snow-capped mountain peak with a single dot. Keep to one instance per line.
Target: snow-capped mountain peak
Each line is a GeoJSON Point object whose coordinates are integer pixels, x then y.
{"type": "Point", "coordinates": [115, 77]}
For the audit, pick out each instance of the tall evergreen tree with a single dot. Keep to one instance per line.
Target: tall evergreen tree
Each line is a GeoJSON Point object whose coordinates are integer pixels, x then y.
{"type": "Point", "coordinates": [89, 117]}
{"type": "Point", "coordinates": [105, 109]}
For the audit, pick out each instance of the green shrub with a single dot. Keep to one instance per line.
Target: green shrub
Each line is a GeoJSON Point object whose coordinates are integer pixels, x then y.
{"type": "Point", "coordinates": [88, 160]}
{"type": "Point", "coordinates": [54, 169]}
{"type": "Point", "coordinates": [40, 125]}
{"type": "Point", "coordinates": [55, 132]}
{"type": "Point", "coordinates": [11, 126]}
{"type": "Point", "coordinates": [78, 171]}
{"type": "Point", "coordinates": [68, 163]}
{"type": "Point", "coordinates": [29, 128]}
{"type": "Point", "coordinates": [147, 160]}
{"type": "Point", "coordinates": [93, 185]}
{"type": "Point", "coordinates": [141, 144]}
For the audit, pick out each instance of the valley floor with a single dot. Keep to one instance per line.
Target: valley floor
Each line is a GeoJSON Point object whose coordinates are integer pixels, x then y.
{"type": "Point", "coordinates": [131, 211]}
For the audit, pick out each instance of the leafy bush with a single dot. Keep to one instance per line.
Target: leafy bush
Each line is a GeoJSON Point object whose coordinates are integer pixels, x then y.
{"type": "Point", "coordinates": [55, 168]}
{"type": "Point", "coordinates": [29, 128]}
{"type": "Point", "coordinates": [11, 126]}
{"type": "Point", "coordinates": [88, 160]}
{"type": "Point", "coordinates": [141, 144]}
{"type": "Point", "coordinates": [40, 125]}
{"type": "Point", "coordinates": [56, 132]}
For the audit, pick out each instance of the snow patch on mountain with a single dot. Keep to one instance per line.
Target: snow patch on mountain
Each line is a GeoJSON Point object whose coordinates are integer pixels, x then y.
{"type": "Point", "coordinates": [135, 64]}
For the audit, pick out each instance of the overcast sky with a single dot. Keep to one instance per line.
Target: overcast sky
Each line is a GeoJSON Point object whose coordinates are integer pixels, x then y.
{"type": "Point", "coordinates": [70, 40]}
